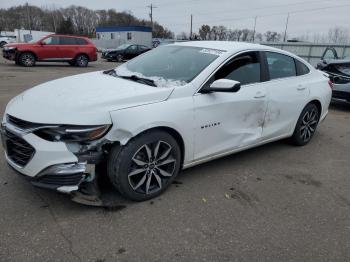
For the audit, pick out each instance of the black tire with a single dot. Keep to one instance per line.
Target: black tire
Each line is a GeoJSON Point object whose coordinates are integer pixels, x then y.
{"type": "Point", "coordinates": [81, 61]}
{"type": "Point", "coordinates": [2, 44]}
{"type": "Point", "coordinates": [27, 59]}
{"type": "Point", "coordinates": [120, 58]}
{"type": "Point", "coordinates": [306, 125]}
{"type": "Point", "coordinates": [71, 63]}
{"type": "Point", "coordinates": [135, 175]}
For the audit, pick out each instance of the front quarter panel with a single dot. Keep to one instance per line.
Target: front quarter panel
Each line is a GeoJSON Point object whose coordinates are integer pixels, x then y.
{"type": "Point", "coordinates": [176, 114]}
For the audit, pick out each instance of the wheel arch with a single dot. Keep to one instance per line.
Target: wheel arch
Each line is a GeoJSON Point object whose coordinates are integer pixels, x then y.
{"type": "Point", "coordinates": [20, 52]}
{"type": "Point", "coordinates": [318, 104]}
{"type": "Point", "coordinates": [82, 53]}
{"type": "Point", "coordinates": [170, 130]}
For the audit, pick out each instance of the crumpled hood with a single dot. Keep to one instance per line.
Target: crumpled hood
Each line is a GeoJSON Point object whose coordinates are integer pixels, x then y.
{"type": "Point", "coordinates": [84, 99]}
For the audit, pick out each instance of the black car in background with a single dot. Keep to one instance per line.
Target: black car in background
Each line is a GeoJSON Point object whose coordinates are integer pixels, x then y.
{"type": "Point", "coordinates": [338, 69]}
{"type": "Point", "coordinates": [124, 52]}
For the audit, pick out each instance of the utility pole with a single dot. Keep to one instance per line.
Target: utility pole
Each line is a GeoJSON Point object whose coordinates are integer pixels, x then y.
{"type": "Point", "coordinates": [151, 15]}
{"type": "Point", "coordinates": [191, 27]}
{"type": "Point", "coordinates": [285, 31]}
{"type": "Point", "coordinates": [254, 28]}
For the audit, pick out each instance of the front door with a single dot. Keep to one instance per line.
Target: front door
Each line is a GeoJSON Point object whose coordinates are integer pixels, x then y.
{"type": "Point", "coordinates": [49, 49]}
{"type": "Point", "coordinates": [228, 121]}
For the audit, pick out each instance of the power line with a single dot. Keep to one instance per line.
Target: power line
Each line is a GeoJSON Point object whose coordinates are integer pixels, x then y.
{"type": "Point", "coordinates": [267, 15]}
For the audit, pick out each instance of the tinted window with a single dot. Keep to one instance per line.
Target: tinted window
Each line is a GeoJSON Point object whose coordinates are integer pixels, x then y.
{"type": "Point", "coordinates": [80, 41]}
{"type": "Point", "coordinates": [302, 69]}
{"type": "Point", "coordinates": [52, 40]}
{"type": "Point", "coordinates": [67, 41]}
{"type": "Point", "coordinates": [244, 68]}
{"type": "Point", "coordinates": [143, 48]}
{"type": "Point", "coordinates": [280, 66]}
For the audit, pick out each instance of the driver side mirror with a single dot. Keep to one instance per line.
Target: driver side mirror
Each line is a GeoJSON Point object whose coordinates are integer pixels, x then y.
{"type": "Point", "coordinates": [42, 43]}
{"type": "Point", "coordinates": [223, 85]}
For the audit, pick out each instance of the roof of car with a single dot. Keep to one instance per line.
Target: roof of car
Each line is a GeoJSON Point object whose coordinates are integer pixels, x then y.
{"type": "Point", "coordinates": [77, 36]}
{"type": "Point", "coordinates": [225, 45]}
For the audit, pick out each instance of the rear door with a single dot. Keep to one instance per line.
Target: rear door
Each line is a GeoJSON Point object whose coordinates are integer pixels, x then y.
{"type": "Point", "coordinates": [288, 93]}
{"type": "Point", "coordinates": [68, 47]}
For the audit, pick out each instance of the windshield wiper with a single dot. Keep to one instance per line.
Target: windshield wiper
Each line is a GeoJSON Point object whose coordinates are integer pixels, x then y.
{"type": "Point", "coordinates": [113, 72]}
{"type": "Point", "coordinates": [110, 72]}
{"type": "Point", "coordinates": [135, 78]}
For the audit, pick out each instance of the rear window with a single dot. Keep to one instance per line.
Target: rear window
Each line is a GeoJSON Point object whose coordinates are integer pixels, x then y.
{"type": "Point", "coordinates": [280, 66]}
{"type": "Point", "coordinates": [81, 41]}
{"type": "Point", "coordinates": [302, 69]}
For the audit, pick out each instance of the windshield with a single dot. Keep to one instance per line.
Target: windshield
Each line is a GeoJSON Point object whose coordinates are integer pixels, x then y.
{"type": "Point", "coordinates": [170, 65]}
{"type": "Point", "coordinates": [121, 47]}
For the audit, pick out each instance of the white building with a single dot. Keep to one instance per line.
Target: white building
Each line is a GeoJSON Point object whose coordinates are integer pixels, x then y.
{"type": "Point", "coordinates": [112, 37]}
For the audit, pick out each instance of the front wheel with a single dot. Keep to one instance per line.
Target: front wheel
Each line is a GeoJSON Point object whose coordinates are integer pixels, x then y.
{"type": "Point", "coordinates": [306, 125]}
{"type": "Point", "coordinates": [146, 166]}
{"type": "Point", "coordinates": [27, 59]}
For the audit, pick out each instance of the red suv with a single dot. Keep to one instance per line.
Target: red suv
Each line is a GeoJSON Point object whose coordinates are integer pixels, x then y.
{"type": "Point", "coordinates": [75, 50]}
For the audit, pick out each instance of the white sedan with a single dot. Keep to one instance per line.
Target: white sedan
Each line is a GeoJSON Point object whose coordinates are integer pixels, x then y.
{"type": "Point", "coordinates": [172, 108]}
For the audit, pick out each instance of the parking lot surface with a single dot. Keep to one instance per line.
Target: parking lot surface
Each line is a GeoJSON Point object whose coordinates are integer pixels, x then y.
{"type": "Point", "coordinates": [272, 203]}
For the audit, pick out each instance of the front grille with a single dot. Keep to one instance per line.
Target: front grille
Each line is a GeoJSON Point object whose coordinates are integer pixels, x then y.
{"type": "Point", "coordinates": [61, 179]}
{"type": "Point", "coordinates": [21, 123]}
{"type": "Point", "coordinates": [17, 149]}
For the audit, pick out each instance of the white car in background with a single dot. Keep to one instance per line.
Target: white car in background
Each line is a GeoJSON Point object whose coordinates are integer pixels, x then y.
{"type": "Point", "coordinates": [4, 40]}
{"type": "Point", "coordinates": [171, 108]}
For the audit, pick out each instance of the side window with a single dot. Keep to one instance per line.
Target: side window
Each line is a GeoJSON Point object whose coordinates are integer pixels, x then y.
{"type": "Point", "coordinates": [244, 68]}
{"type": "Point", "coordinates": [143, 48]}
{"type": "Point", "coordinates": [52, 40]}
{"type": "Point", "coordinates": [67, 41]}
{"type": "Point", "coordinates": [80, 41]}
{"type": "Point", "coordinates": [329, 54]}
{"type": "Point", "coordinates": [280, 66]}
{"type": "Point", "coordinates": [302, 69]}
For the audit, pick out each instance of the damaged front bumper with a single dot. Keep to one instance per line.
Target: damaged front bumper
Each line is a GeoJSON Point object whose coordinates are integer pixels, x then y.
{"type": "Point", "coordinates": [50, 165]}
{"type": "Point", "coordinates": [9, 54]}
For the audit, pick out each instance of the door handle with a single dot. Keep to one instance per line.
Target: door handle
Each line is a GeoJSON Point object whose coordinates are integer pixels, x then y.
{"type": "Point", "coordinates": [259, 95]}
{"type": "Point", "coordinates": [301, 88]}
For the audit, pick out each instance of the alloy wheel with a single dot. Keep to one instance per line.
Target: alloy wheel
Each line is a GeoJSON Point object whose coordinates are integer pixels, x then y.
{"type": "Point", "coordinates": [27, 60]}
{"type": "Point", "coordinates": [82, 61]}
{"type": "Point", "coordinates": [151, 166]}
{"type": "Point", "coordinates": [308, 124]}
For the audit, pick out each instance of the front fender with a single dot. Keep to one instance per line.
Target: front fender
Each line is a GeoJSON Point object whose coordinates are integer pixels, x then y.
{"type": "Point", "coordinates": [176, 114]}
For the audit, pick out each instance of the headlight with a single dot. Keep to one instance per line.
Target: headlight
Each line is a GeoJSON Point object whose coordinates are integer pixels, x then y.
{"type": "Point", "coordinates": [72, 133]}
{"type": "Point", "coordinates": [9, 48]}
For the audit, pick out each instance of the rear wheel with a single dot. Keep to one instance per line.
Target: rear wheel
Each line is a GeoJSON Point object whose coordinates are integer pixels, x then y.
{"type": "Point", "coordinates": [146, 166]}
{"type": "Point", "coordinates": [27, 59]}
{"type": "Point", "coordinates": [306, 125]}
{"type": "Point", "coordinates": [82, 61]}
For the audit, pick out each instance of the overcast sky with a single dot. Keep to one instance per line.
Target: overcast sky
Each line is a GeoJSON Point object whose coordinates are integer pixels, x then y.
{"type": "Point", "coordinates": [308, 16]}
